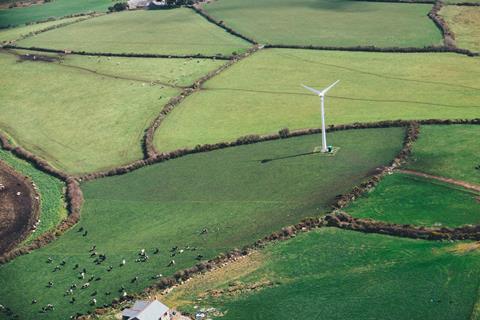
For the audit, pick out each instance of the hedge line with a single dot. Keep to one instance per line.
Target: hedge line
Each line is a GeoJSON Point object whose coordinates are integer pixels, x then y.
{"type": "Point", "coordinates": [448, 36]}
{"type": "Point", "coordinates": [148, 146]}
{"type": "Point", "coordinates": [220, 24]}
{"type": "Point", "coordinates": [33, 33]}
{"type": "Point", "coordinates": [430, 49]}
{"type": "Point", "coordinates": [466, 4]}
{"type": "Point", "coordinates": [110, 54]}
{"type": "Point", "coordinates": [255, 138]}
{"type": "Point", "coordinates": [73, 197]}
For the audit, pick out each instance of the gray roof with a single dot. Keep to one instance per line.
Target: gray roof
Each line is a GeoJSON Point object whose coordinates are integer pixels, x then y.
{"type": "Point", "coordinates": [146, 310]}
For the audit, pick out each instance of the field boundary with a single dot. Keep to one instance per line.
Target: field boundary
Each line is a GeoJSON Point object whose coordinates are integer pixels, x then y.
{"type": "Point", "coordinates": [198, 9]}
{"type": "Point", "coordinates": [463, 184]}
{"type": "Point", "coordinates": [447, 34]}
{"type": "Point", "coordinates": [73, 198]}
{"type": "Point", "coordinates": [120, 55]}
{"type": "Point", "coordinates": [33, 33]}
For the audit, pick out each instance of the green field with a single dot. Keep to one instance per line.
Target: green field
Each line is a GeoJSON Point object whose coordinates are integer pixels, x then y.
{"type": "Point", "coordinates": [336, 274]}
{"type": "Point", "coordinates": [12, 34]}
{"type": "Point", "coordinates": [178, 31]}
{"type": "Point", "coordinates": [262, 94]}
{"type": "Point", "coordinates": [465, 24]}
{"type": "Point", "coordinates": [448, 151]}
{"type": "Point", "coordinates": [329, 22]}
{"type": "Point", "coordinates": [54, 9]}
{"type": "Point", "coordinates": [52, 207]}
{"type": "Point", "coordinates": [87, 113]}
{"type": "Point", "coordinates": [232, 193]}
{"type": "Point", "coordinates": [405, 199]}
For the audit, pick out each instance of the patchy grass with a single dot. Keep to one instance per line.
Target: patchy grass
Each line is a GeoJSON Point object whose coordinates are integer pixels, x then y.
{"type": "Point", "coordinates": [406, 199]}
{"type": "Point", "coordinates": [52, 206]}
{"type": "Point", "coordinates": [345, 275]}
{"type": "Point", "coordinates": [448, 151]}
{"type": "Point", "coordinates": [53, 9]}
{"type": "Point", "coordinates": [329, 23]}
{"type": "Point", "coordinates": [169, 204]}
{"type": "Point", "coordinates": [262, 94]}
{"type": "Point", "coordinates": [465, 23]}
{"type": "Point", "coordinates": [178, 31]}
{"type": "Point", "coordinates": [86, 114]}
{"type": "Point", "coordinates": [12, 34]}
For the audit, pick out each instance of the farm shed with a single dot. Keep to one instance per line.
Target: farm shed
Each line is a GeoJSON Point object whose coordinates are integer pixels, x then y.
{"type": "Point", "coordinates": [147, 310]}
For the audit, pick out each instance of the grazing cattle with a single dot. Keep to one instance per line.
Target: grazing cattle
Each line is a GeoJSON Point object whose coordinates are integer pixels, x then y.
{"type": "Point", "coordinates": [85, 285]}
{"type": "Point", "coordinates": [172, 263]}
{"type": "Point", "coordinates": [85, 233]}
{"type": "Point", "coordinates": [50, 284]}
{"type": "Point", "coordinates": [156, 251]}
{"type": "Point", "coordinates": [34, 301]}
{"type": "Point", "coordinates": [123, 262]}
{"type": "Point", "coordinates": [94, 301]}
{"type": "Point", "coordinates": [134, 279]}
{"type": "Point", "coordinates": [49, 260]}
{"type": "Point", "coordinates": [109, 268]}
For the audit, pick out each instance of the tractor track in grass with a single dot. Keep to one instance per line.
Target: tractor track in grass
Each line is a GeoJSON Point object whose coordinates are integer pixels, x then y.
{"type": "Point", "coordinates": [460, 183]}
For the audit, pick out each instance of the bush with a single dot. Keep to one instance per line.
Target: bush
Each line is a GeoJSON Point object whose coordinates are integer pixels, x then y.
{"type": "Point", "coordinates": [119, 6]}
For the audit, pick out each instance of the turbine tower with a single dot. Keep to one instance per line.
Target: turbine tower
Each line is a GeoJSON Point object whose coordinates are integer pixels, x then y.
{"type": "Point", "coordinates": [321, 94]}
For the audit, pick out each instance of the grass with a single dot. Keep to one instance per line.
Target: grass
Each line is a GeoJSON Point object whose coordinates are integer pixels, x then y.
{"type": "Point", "coordinates": [12, 34]}
{"type": "Point", "coordinates": [262, 94]}
{"type": "Point", "coordinates": [405, 199]}
{"type": "Point", "coordinates": [178, 31]}
{"type": "Point", "coordinates": [52, 206]}
{"type": "Point", "coordinates": [448, 151]}
{"type": "Point", "coordinates": [329, 23]}
{"type": "Point", "coordinates": [465, 24]}
{"type": "Point", "coordinates": [344, 275]}
{"type": "Point", "coordinates": [54, 9]}
{"type": "Point", "coordinates": [169, 204]}
{"type": "Point", "coordinates": [87, 114]}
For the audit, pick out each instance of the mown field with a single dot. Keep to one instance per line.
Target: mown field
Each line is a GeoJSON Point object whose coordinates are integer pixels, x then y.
{"type": "Point", "coordinates": [465, 24]}
{"type": "Point", "coordinates": [206, 201]}
{"type": "Point", "coordinates": [329, 23]}
{"type": "Point", "coordinates": [262, 94]}
{"type": "Point", "coordinates": [54, 9]}
{"type": "Point", "coordinates": [448, 151]}
{"type": "Point", "coordinates": [179, 31]}
{"type": "Point", "coordinates": [336, 274]}
{"type": "Point", "coordinates": [86, 114]}
{"type": "Point", "coordinates": [52, 206]}
{"type": "Point", "coordinates": [15, 33]}
{"type": "Point", "coordinates": [406, 199]}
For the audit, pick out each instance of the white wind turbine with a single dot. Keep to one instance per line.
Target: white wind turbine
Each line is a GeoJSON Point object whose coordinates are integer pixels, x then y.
{"type": "Point", "coordinates": [321, 94]}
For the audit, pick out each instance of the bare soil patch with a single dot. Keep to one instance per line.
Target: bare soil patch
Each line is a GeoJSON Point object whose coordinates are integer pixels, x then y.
{"type": "Point", "coordinates": [18, 208]}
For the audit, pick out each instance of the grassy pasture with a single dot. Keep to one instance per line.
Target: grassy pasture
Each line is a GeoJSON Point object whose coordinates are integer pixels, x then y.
{"type": "Point", "coordinates": [337, 274]}
{"type": "Point", "coordinates": [448, 151]}
{"type": "Point", "coordinates": [52, 207]}
{"type": "Point", "coordinates": [262, 94]}
{"type": "Point", "coordinates": [54, 9]}
{"type": "Point", "coordinates": [329, 23]}
{"type": "Point", "coordinates": [465, 24]}
{"type": "Point", "coordinates": [230, 192]}
{"type": "Point", "coordinates": [15, 33]}
{"type": "Point", "coordinates": [179, 31]}
{"type": "Point", "coordinates": [406, 199]}
{"type": "Point", "coordinates": [86, 114]}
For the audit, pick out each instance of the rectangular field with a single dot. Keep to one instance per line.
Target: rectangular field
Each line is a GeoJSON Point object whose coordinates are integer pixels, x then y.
{"type": "Point", "coordinates": [85, 114]}
{"type": "Point", "coordinates": [464, 21]}
{"type": "Point", "coordinates": [329, 22]}
{"type": "Point", "coordinates": [175, 32]}
{"type": "Point", "coordinates": [262, 94]}
{"type": "Point", "coordinates": [205, 204]}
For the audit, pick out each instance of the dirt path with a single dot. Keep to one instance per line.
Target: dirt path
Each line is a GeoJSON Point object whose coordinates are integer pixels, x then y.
{"type": "Point", "coordinates": [466, 185]}
{"type": "Point", "coordinates": [18, 208]}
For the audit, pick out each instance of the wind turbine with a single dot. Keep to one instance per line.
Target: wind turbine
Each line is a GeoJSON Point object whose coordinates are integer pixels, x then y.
{"type": "Point", "coordinates": [321, 94]}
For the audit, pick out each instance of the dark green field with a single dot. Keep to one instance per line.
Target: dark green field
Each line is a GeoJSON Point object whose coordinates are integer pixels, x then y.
{"type": "Point", "coordinates": [450, 151]}
{"type": "Point", "coordinates": [406, 199]}
{"type": "Point", "coordinates": [336, 274]}
{"type": "Point", "coordinates": [230, 193]}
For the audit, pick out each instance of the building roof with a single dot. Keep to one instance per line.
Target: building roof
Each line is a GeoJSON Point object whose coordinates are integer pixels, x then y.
{"type": "Point", "coordinates": [146, 310]}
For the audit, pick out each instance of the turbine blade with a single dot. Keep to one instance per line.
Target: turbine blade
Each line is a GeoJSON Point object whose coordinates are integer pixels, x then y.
{"type": "Point", "coordinates": [312, 90]}
{"type": "Point", "coordinates": [329, 87]}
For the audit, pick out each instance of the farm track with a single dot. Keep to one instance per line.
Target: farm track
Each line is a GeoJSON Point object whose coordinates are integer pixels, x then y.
{"type": "Point", "coordinates": [460, 183]}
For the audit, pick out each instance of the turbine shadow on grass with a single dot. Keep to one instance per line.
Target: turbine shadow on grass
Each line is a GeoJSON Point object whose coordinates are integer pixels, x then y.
{"type": "Point", "coordinates": [287, 157]}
